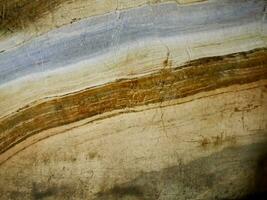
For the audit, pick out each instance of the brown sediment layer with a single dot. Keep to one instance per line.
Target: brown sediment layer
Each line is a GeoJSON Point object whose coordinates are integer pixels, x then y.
{"type": "Point", "coordinates": [170, 83]}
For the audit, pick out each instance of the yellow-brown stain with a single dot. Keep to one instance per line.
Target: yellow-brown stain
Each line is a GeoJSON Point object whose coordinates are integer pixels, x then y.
{"type": "Point", "coordinates": [170, 83]}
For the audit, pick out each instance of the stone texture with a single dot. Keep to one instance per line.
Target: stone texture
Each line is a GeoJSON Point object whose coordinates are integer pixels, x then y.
{"type": "Point", "coordinates": [133, 99]}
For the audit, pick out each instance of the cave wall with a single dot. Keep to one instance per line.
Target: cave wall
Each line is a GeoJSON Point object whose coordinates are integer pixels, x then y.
{"type": "Point", "coordinates": [139, 99]}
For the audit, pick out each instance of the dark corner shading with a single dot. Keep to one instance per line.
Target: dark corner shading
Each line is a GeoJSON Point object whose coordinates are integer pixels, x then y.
{"type": "Point", "coordinates": [16, 15]}
{"type": "Point", "coordinates": [188, 181]}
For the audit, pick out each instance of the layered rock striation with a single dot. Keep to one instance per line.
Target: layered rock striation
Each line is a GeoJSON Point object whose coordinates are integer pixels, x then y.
{"type": "Point", "coordinates": [132, 99]}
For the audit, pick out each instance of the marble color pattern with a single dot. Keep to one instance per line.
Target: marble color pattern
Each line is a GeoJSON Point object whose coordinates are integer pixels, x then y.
{"type": "Point", "coordinates": [136, 99]}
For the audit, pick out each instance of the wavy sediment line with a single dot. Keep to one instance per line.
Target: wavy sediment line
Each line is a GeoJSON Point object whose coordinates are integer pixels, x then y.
{"type": "Point", "coordinates": [43, 135]}
{"type": "Point", "coordinates": [99, 35]}
{"type": "Point", "coordinates": [118, 99]}
{"type": "Point", "coordinates": [134, 62]}
{"type": "Point", "coordinates": [26, 19]}
{"type": "Point", "coordinates": [125, 44]}
{"type": "Point", "coordinates": [170, 83]}
{"type": "Point", "coordinates": [138, 138]}
{"type": "Point", "coordinates": [18, 15]}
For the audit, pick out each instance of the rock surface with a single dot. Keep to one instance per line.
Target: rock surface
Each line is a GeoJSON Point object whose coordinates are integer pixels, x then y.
{"type": "Point", "coordinates": [133, 99]}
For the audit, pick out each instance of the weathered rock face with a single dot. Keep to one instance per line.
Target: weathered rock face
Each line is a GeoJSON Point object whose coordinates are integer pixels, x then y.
{"type": "Point", "coordinates": [133, 99]}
